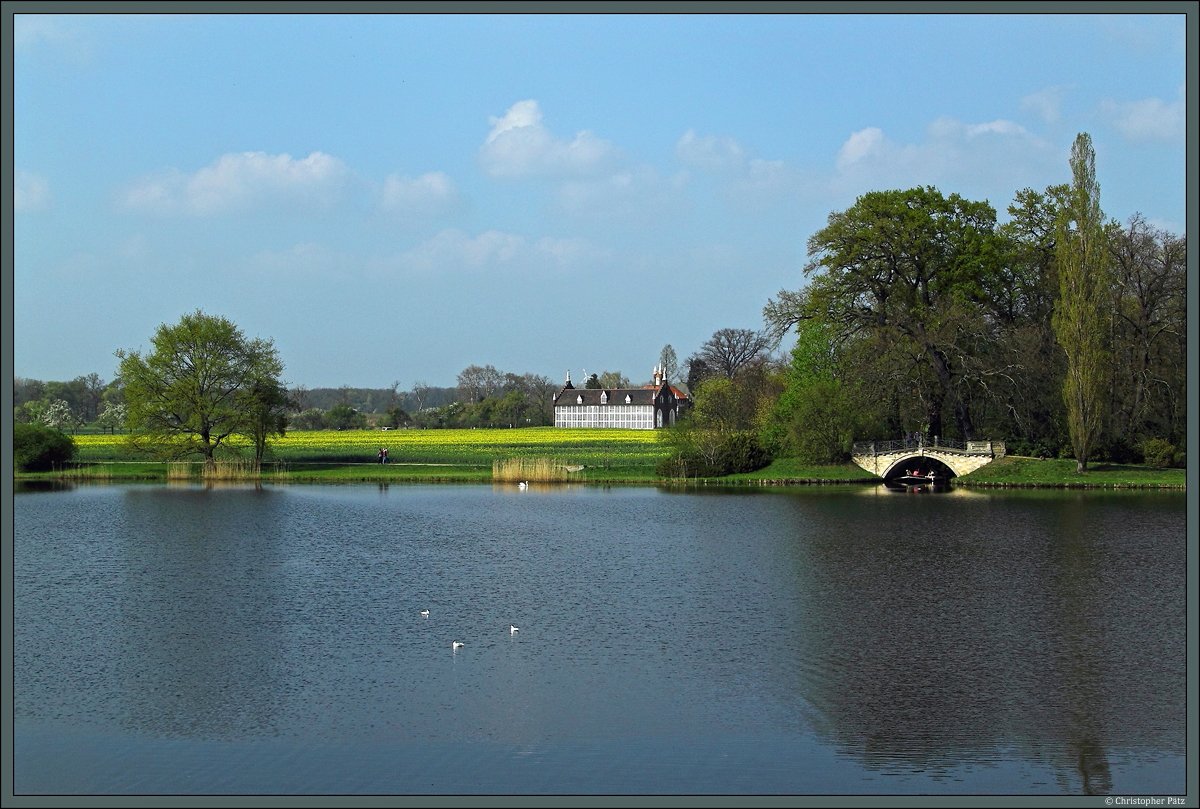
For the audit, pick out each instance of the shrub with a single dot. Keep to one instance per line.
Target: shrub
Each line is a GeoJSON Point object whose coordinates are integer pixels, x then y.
{"type": "Point", "coordinates": [37, 448]}
{"type": "Point", "coordinates": [1158, 452]}
{"type": "Point", "coordinates": [744, 453]}
{"type": "Point", "coordinates": [1033, 449]}
{"type": "Point", "coordinates": [710, 455]}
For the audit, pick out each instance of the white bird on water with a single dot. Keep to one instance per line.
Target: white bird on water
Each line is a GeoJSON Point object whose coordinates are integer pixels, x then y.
{"type": "Point", "coordinates": [425, 613]}
{"type": "Point", "coordinates": [523, 485]}
{"type": "Point", "coordinates": [512, 630]}
{"type": "Point", "coordinates": [456, 645]}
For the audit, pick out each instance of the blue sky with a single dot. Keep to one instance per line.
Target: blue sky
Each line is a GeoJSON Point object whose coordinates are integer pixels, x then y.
{"type": "Point", "coordinates": [396, 197]}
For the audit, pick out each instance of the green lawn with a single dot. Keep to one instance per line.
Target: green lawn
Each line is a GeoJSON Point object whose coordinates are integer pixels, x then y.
{"type": "Point", "coordinates": [1020, 471]}
{"type": "Point", "coordinates": [794, 470]}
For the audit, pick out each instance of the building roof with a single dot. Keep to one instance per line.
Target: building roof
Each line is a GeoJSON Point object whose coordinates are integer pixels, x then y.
{"type": "Point", "coordinates": [678, 393]}
{"type": "Point", "coordinates": [591, 396]}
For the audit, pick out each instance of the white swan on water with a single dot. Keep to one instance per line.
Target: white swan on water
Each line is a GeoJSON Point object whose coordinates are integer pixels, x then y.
{"type": "Point", "coordinates": [523, 485]}
{"type": "Point", "coordinates": [512, 630]}
{"type": "Point", "coordinates": [456, 645]}
{"type": "Point", "coordinates": [425, 613]}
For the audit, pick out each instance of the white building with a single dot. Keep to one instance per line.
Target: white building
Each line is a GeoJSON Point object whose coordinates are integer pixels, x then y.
{"type": "Point", "coordinates": [644, 408]}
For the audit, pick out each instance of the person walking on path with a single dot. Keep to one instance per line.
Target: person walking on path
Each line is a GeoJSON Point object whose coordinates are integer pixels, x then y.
{"type": "Point", "coordinates": [379, 455]}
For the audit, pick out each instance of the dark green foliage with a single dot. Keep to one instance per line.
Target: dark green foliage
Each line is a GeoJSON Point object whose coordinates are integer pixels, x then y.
{"type": "Point", "coordinates": [908, 272]}
{"type": "Point", "coordinates": [397, 417]}
{"type": "Point", "coordinates": [742, 452]}
{"type": "Point", "coordinates": [37, 448]}
{"type": "Point", "coordinates": [266, 403]}
{"type": "Point", "coordinates": [819, 411]}
{"type": "Point", "coordinates": [1033, 449]}
{"type": "Point", "coordinates": [712, 455]}
{"type": "Point", "coordinates": [345, 417]}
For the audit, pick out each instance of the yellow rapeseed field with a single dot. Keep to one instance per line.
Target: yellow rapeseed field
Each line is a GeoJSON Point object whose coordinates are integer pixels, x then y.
{"type": "Point", "coordinates": [478, 446]}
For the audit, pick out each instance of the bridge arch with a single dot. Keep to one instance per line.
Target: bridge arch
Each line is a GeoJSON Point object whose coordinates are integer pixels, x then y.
{"type": "Point", "coordinates": [889, 459]}
{"type": "Point", "coordinates": [924, 463]}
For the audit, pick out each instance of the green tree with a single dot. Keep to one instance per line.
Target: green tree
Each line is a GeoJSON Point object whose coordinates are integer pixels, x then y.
{"type": "Point", "coordinates": [397, 417]}
{"type": "Point", "coordinates": [906, 271]}
{"type": "Point", "coordinates": [669, 363]}
{"type": "Point", "coordinates": [1148, 268]}
{"type": "Point", "coordinates": [1025, 361]}
{"type": "Point", "coordinates": [344, 417]}
{"type": "Point", "coordinates": [819, 410]}
{"type": "Point", "coordinates": [1081, 312]}
{"type": "Point", "coordinates": [189, 394]}
{"type": "Point", "coordinates": [266, 403]}
{"type": "Point", "coordinates": [312, 418]}
{"type": "Point", "coordinates": [613, 380]}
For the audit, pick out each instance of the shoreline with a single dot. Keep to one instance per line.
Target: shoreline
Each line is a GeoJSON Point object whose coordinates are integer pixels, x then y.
{"type": "Point", "coordinates": [485, 478]}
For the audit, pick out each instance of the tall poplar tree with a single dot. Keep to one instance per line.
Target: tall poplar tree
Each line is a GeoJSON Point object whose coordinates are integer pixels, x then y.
{"type": "Point", "coordinates": [1081, 311]}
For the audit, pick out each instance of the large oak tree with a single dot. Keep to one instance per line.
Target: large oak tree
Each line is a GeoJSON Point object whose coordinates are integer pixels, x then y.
{"type": "Point", "coordinates": [908, 271]}
{"type": "Point", "coordinates": [198, 387]}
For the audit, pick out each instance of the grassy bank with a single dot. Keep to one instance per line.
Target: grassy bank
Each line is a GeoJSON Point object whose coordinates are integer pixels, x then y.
{"type": "Point", "coordinates": [1060, 472]}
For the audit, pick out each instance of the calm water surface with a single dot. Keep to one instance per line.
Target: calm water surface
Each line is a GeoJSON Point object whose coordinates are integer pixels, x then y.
{"type": "Point", "coordinates": [178, 639]}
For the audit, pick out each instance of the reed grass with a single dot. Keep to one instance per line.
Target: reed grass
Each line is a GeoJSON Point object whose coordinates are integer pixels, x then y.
{"type": "Point", "coordinates": [86, 472]}
{"type": "Point", "coordinates": [538, 470]}
{"type": "Point", "coordinates": [224, 469]}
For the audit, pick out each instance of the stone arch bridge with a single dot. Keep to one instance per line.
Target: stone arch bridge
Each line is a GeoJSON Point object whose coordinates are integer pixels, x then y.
{"type": "Point", "coordinates": [890, 459]}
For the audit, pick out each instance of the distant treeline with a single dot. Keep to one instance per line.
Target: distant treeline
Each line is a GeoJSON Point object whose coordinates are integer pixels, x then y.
{"type": "Point", "coordinates": [371, 400]}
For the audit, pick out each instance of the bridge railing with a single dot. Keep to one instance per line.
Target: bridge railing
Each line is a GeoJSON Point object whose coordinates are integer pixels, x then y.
{"type": "Point", "coordinates": [995, 448]}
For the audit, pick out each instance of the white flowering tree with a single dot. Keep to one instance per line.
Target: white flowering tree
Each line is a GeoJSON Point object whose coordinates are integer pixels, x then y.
{"type": "Point", "coordinates": [59, 416]}
{"type": "Point", "coordinates": [113, 417]}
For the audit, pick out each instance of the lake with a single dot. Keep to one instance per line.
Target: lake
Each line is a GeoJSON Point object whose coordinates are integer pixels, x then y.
{"type": "Point", "coordinates": [178, 639]}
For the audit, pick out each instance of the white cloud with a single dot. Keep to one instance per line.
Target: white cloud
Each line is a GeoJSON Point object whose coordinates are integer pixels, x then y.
{"type": "Point", "coordinates": [971, 158]}
{"type": "Point", "coordinates": [749, 182]}
{"type": "Point", "coordinates": [766, 183]}
{"type": "Point", "coordinates": [431, 194]}
{"type": "Point", "coordinates": [32, 29]}
{"type": "Point", "coordinates": [453, 251]}
{"type": "Point", "coordinates": [860, 147]}
{"type": "Point", "coordinates": [711, 154]}
{"type": "Point", "coordinates": [31, 192]}
{"type": "Point", "coordinates": [239, 181]}
{"type": "Point", "coordinates": [637, 192]}
{"type": "Point", "coordinates": [520, 146]}
{"type": "Point", "coordinates": [1047, 103]}
{"type": "Point", "coordinates": [1150, 119]}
